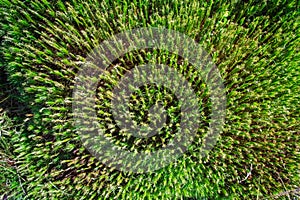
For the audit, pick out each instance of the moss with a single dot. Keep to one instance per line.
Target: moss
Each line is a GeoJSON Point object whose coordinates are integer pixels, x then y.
{"type": "Point", "coordinates": [254, 46]}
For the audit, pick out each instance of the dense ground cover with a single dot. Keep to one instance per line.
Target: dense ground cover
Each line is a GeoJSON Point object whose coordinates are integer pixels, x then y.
{"type": "Point", "coordinates": [255, 46]}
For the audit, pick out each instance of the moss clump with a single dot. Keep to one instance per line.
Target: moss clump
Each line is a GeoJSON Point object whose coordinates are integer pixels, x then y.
{"type": "Point", "coordinates": [254, 46]}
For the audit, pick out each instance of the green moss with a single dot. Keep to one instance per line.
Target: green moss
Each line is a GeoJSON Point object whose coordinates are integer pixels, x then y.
{"type": "Point", "coordinates": [255, 47]}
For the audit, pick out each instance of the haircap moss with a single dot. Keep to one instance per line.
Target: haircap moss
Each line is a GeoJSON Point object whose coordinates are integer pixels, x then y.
{"type": "Point", "coordinates": [254, 46]}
